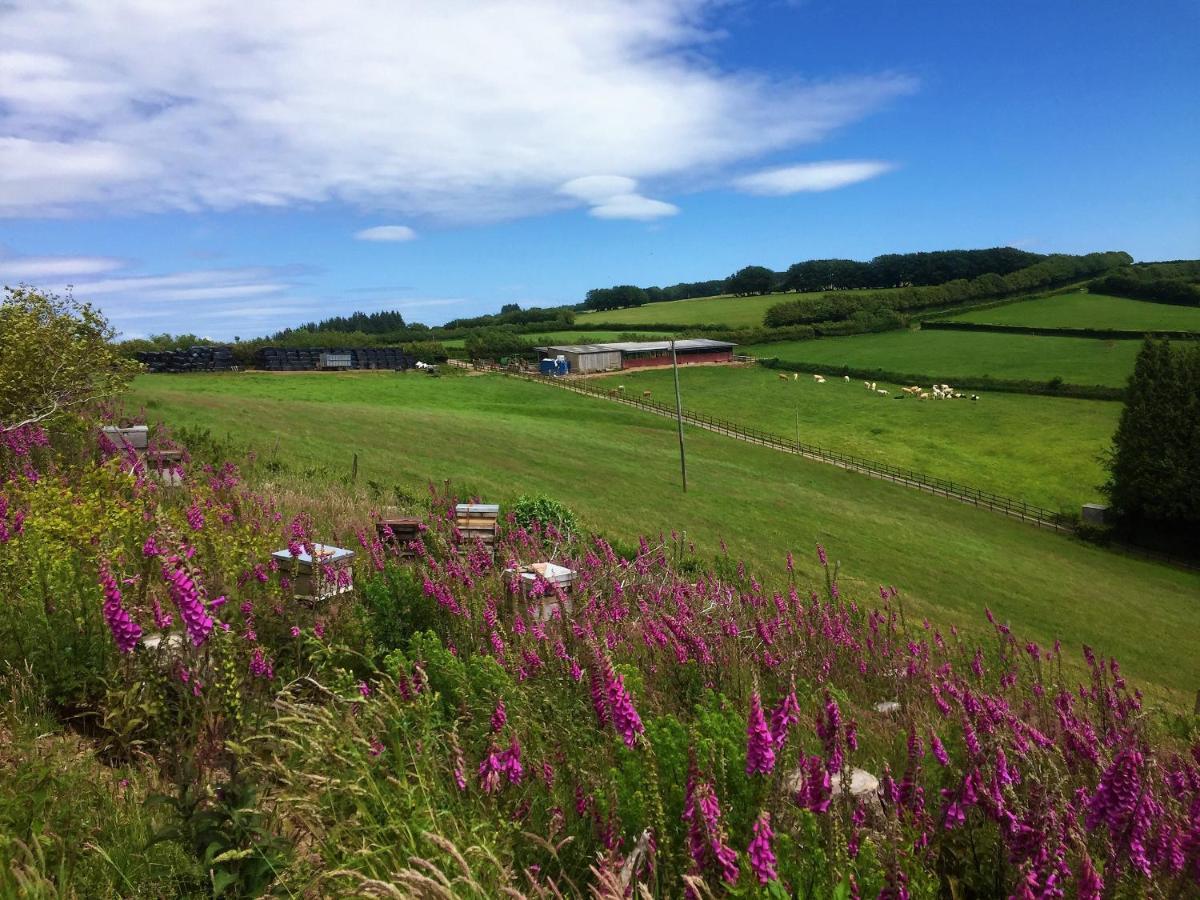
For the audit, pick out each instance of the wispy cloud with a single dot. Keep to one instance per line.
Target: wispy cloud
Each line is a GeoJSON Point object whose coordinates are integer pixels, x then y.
{"type": "Point", "coordinates": [386, 233]}
{"type": "Point", "coordinates": [454, 111]}
{"type": "Point", "coordinates": [38, 268]}
{"type": "Point", "coordinates": [815, 176]}
{"type": "Point", "coordinates": [616, 197]}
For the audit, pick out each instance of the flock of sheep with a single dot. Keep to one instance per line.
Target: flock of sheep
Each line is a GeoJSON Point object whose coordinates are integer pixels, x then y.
{"type": "Point", "coordinates": [935, 392]}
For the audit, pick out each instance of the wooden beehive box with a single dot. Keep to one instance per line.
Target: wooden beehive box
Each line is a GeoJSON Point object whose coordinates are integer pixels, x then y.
{"type": "Point", "coordinates": [397, 531]}
{"type": "Point", "coordinates": [308, 577]}
{"type": "Point", "coordinates": [477, 522]}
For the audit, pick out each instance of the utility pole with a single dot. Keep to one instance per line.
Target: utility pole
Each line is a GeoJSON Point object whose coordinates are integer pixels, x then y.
{"type": "Point", "coordinates": [679, 416]}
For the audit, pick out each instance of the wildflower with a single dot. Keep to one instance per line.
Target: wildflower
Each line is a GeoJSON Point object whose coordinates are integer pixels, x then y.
{"type": "Point", "coordinates": [364, 689]}
{"type": "Point", "coordinates": [821, 555]}
{"type": "Point", "coordinates": [624, 717]}
{"type": "Point", "coordinates": [762, 858]}
{"type": "Point", "coordinates": [939, 751]}
{"type": "Point", "coordinates": [376, 747]}
{"type": "Point", "coordinates": [162, 620]}
{"type": "Point", "coordinates": [125, 631]}
{"type": "Point", "coordinates": [195, 517]}
{"type": "Point", "coordinates": [295, 631]}
{"type": "Point", "coordinates": [499, 716]}
{"type": "Point", "coordinates": [785, 715]}
{"type": "Point", "coordinates": [260, 666]}
{"type": "Point", "coordinates": [151, 548]}
{"type": "Point", "coordinates": [760, 755]}
{"type": "Point", "coordinates": [186, 595]}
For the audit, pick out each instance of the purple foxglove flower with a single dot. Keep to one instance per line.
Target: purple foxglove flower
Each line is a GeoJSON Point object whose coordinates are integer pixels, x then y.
{"type": "Point", "coordinates": [126, 632]}
{"type": "Point", "coordinates": [762, 858]}
{"type": "Point", "coordinates": [760, 755]}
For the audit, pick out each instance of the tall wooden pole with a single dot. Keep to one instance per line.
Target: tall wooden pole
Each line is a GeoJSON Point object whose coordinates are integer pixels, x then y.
{"type": "Point", "coordinates": [679, 416]}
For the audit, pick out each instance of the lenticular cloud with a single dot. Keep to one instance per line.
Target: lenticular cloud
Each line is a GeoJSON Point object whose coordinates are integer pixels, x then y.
{"type": "Point", "coordinates": [452, 111]}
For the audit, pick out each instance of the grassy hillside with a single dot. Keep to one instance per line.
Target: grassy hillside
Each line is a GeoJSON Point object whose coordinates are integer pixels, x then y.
{"type": "Point", "coordinates": [1042, 449]}
{"type": "Point", "coordinates": [1078, 310]}
{"type": "Point", "coordinates": [724, 309]}
{"type": "Point", "coordinates": [946, 355]}
{"type": "Point", "coordinates": [619, 470]}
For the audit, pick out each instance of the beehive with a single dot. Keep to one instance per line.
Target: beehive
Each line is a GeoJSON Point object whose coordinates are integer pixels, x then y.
{"type": "Point", "coordinates": [309, 579]}
{"type": "Point", "coordinates": [397, 531]}
{"type": "Point", "coordinates": [134, 437]}
{"type": "Point", "coordinates": [477, 522]}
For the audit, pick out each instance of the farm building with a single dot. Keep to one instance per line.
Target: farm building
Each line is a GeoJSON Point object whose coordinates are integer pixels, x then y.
{"type": "Point", "coordinates": [585, 358]}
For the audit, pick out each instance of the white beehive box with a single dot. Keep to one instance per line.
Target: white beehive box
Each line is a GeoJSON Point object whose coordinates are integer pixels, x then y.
{"type": "Point", "coordinates": [309, 579]}
{"type": "Point", "coordinates": [134, 437]}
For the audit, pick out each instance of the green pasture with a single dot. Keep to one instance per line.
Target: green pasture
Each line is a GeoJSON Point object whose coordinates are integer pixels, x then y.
{"type": "Point", "coordinates": [1045, 450]}
{"type": "Point", "coordinates": [723, 309]}
{"type": "Point", "coordinates": [573, 337]}
{"type": "Point", "coordinates": [619, 470]}
{"type": "Point", "coordinates": [1080, 310]}
{"type": "Point", "coordinates": [942, 356]}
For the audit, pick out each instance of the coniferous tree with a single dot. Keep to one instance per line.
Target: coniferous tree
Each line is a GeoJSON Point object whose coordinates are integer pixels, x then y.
{"type": "Point", "coordinates": [1154, 463]}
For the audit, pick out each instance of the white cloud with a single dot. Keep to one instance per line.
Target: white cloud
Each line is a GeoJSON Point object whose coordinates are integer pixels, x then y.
{"type": "Point", "coordinates": [817, 176]}
{"type": "Point", "coordinates": [35, 268]}
{"type": "Point", "coordinates": [386, 233]}
{"type": "Point", "coordinates": [453, 111]}
{"type": "Point", "coordinates": [633, 206]}
{"type": "Point", "coordinates": [616, 197]}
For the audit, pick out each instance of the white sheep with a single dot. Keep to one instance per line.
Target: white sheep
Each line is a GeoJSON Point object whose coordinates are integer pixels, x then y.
{"type": "Point", "coordinates": [795, 376]}
{"type": "Point", "coordinates": [847, 377]}
{"type": "Point", "coordinates": [882, 391]}
{"type": "Point", "coordinates": [872, 385]}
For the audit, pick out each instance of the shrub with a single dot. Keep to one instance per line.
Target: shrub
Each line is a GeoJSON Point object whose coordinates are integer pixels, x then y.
{"type": "Point", "coordinates": [545, 511]}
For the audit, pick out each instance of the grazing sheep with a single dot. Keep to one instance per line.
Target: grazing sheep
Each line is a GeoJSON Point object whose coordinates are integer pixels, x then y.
{"type": "Point", "coordinates": [974, 396]}
{"type": "Point", "coordinates": [847, 377]}
{"type": "Point", "coordinates": [621, 388]}
{"type": "Point", "coordinates": [820, 380]}
{"type": "Point", "coordinates": [646, 394]}
{"type": "Point", "coordinates": [882, 391]}
{"type": "Point", "coordinates": [782, 377]}
{"type": "Point", "coordinates": [795, 376]}
{"type": "Point", "coordinates": [872, 385]}
{"type": "Point", "coordinates": [924, 395]}
{"type": "Point", "coordinates": [867, 385]}
{"type": "Point", "coordinates": [958, 396]}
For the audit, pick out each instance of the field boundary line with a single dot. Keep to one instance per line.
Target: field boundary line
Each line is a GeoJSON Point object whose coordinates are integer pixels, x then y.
{"type": "Point", "coordinates": [1008, 506]}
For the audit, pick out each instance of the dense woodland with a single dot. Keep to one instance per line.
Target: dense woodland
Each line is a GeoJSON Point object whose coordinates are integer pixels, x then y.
{"type": "Point", "coordinates": [889, 270]}
{"type": "Point", "coordinates": [1166, 282]}
{"type": "Point", "coordinates": [885, 309]}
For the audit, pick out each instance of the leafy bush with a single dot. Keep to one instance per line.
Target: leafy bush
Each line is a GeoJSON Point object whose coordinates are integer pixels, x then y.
{"type": "Point", "coordinates": [545, 511]}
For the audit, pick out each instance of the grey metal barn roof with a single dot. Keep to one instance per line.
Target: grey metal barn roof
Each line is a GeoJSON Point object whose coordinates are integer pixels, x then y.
{"type": "Point", "coordinates": [580, 348]}
{"type": "Point", "coordinates": [641, 346]}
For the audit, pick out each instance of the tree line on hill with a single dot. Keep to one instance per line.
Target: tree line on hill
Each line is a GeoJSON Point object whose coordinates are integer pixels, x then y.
{"type": "Point", "coordinates": [888, 270]}
{"type": "Point", "coordinates": [878, 311]}
{"type": "Point", "coordinates": [1167, 282]}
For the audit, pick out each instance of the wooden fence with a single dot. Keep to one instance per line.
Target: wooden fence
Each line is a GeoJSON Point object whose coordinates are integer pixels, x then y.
{"type": "Point", "coordinates": [1009, 506]}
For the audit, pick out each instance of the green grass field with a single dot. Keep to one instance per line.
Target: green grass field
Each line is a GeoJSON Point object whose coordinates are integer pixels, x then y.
{"type": "Point", "coordinates": [723, 309]}
{"type": "Point", "coordinates": [1044, 450]}
{"type": "Point", "coordinates": [943, 356]}
{"type": "Point", "coordinates": [573, 337]}
{"type": "Point", "coordinates": [1078, 310]}
{"type": "Point", "coordinates": [618, 469]}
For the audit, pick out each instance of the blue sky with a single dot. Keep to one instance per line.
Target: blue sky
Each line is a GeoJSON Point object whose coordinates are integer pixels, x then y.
{"type": "Point", "coordinates": [229, 169]}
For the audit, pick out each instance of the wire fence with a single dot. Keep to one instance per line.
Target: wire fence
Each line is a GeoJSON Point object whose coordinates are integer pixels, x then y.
{"type": "Point", "coordinates": [1009, 506]}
